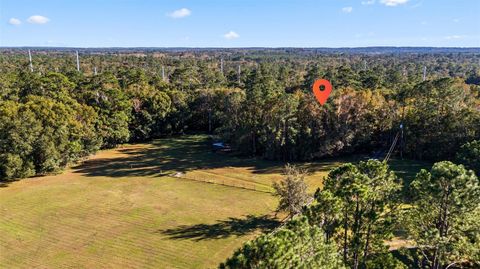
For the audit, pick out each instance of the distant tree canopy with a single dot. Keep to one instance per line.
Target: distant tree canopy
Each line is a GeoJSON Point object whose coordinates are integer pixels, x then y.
{"type": "Point", "coordinates": [42, 135]}
{"type": "Point", "coordinates": [440, 116]}
{"type": "Point", "coordinates": [261, 104]}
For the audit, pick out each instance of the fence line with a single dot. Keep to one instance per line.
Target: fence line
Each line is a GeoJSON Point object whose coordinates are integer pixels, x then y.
{"type": "Point", "coordinates": [222, 182]}
{"type": "Point", "coordinates": [244, 186]}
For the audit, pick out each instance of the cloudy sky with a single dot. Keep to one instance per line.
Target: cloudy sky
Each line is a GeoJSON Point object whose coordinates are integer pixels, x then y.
{"type": "Point", "coordinates": [239, 23]}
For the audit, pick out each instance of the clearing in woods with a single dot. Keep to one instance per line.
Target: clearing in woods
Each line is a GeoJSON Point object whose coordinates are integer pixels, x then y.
{"type": "Point", "coordinates": [124, 209]}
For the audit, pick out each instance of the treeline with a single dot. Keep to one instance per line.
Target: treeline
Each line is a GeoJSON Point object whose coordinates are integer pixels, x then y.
{"type": "Point", "coordinates": [48, 121]}
{"type": "Point", "coordinates": [266, 108]}
{"type": "Point", "coordinates": [360, 208]}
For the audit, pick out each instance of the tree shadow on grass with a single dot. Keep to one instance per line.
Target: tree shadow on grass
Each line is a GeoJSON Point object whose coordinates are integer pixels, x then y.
{"type": "Point", "coordinates": [4, 184]}
{"type": "Point", "coordinates": [407, 170]}
{"type": "Point", "coordinates": [164, 156]}
{"type": "Point", "coordinates": [159, 158]}
{"type": "Point", "coordinates": [223, 228]}
{"type": "Point", "coordinates": [179, 154]}
{"type": "Point", "coordinates": [191, 152]}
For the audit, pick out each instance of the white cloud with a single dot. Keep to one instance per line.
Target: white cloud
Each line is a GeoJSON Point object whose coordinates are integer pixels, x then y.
{"type": "Point", "coordinates": [347, 9]}
{"type": "Point", "coordinates": [456, 20]}
{"type": "Point", "coordinates": [180, 13]}
{"type": "Point", "coordinates": [14, 21]}
{"type": "Point", "coordinates": [37, 19]}
{"type": "Point", "coordinates": [231, 35]}
{"type": "Point", "coordinates": [392, 3]}
{"type": "Point", "coordinates": [368, 2]}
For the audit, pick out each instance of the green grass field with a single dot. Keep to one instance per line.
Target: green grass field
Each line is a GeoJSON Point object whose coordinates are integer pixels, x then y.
{"type": "Point", "coordinates": [123, 209]}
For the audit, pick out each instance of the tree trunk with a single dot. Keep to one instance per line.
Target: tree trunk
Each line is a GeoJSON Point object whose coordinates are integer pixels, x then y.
{"type": "Point", "coordinates": [345, 226]}
{"type": "Point", "coordinates": [367, 242]}
{"type": "Point", "coordinates": [356, 234]}
{"type": "Point", "coordinates": [254, 148]}
{"type": "Point", "coordinates": [435, 263]}
{"type": "Point", "coordinates": [209, 121]}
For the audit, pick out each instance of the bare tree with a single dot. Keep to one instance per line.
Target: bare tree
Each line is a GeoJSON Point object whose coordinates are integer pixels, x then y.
{"type": "Point", "coordinates": [292, 191]}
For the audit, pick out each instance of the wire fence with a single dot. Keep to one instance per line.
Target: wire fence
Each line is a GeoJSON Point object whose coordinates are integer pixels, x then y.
{"type": "Point", "coordinates": [246, 186]}
{"type": "Point", "coordinates": [223, 182]}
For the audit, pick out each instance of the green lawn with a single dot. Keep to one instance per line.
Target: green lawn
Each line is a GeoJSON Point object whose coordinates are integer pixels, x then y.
{"type": "Point", "coordinates": [123, 209]}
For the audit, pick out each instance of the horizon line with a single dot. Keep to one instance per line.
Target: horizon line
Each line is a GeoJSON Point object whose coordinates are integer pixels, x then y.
{"type": "Point", "coordinates": [246, 47]}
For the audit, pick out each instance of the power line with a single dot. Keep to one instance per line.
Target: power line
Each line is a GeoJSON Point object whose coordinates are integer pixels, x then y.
{"type": "Point", "coordinates": [392, 147]}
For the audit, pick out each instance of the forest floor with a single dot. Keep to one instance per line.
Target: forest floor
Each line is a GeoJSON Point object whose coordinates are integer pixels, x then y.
{"type": "Point", "coordinates": [147, 206]}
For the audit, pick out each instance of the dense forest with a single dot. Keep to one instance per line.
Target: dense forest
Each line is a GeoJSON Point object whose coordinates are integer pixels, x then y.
{"type": "Point", "coordinates": [260, 102]}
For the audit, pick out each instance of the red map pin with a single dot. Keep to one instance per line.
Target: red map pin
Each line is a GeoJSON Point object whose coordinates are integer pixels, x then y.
{"type": "Point", "coordinates": [322, 89]}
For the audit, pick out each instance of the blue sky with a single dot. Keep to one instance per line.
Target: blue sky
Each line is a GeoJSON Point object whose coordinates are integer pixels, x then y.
{"type": "Point", "coordinates": [239, 23]}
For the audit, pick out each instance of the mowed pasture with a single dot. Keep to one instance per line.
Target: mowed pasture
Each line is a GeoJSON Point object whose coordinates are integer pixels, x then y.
{"type": "Point", "coordinates": [125, 208]}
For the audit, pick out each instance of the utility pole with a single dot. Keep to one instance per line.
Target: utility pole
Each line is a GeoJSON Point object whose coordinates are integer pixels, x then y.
{"type": "Point", "coordinates": [364, 65]}
{"type": "Point", "coordinates": [239, 74]}
{"type": "Point", "coordinates": [30, 59]}
{"type": "Point", "coordinates": [424, 73]}
{"type": "Point", "coordinates": [78, 62]}
{"type": "Point", "coordinates": [163, 73]}
{"type": "Point", "coordinates": [401, 140]}
{"type": "Point", "coordinates": [221, 65]}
